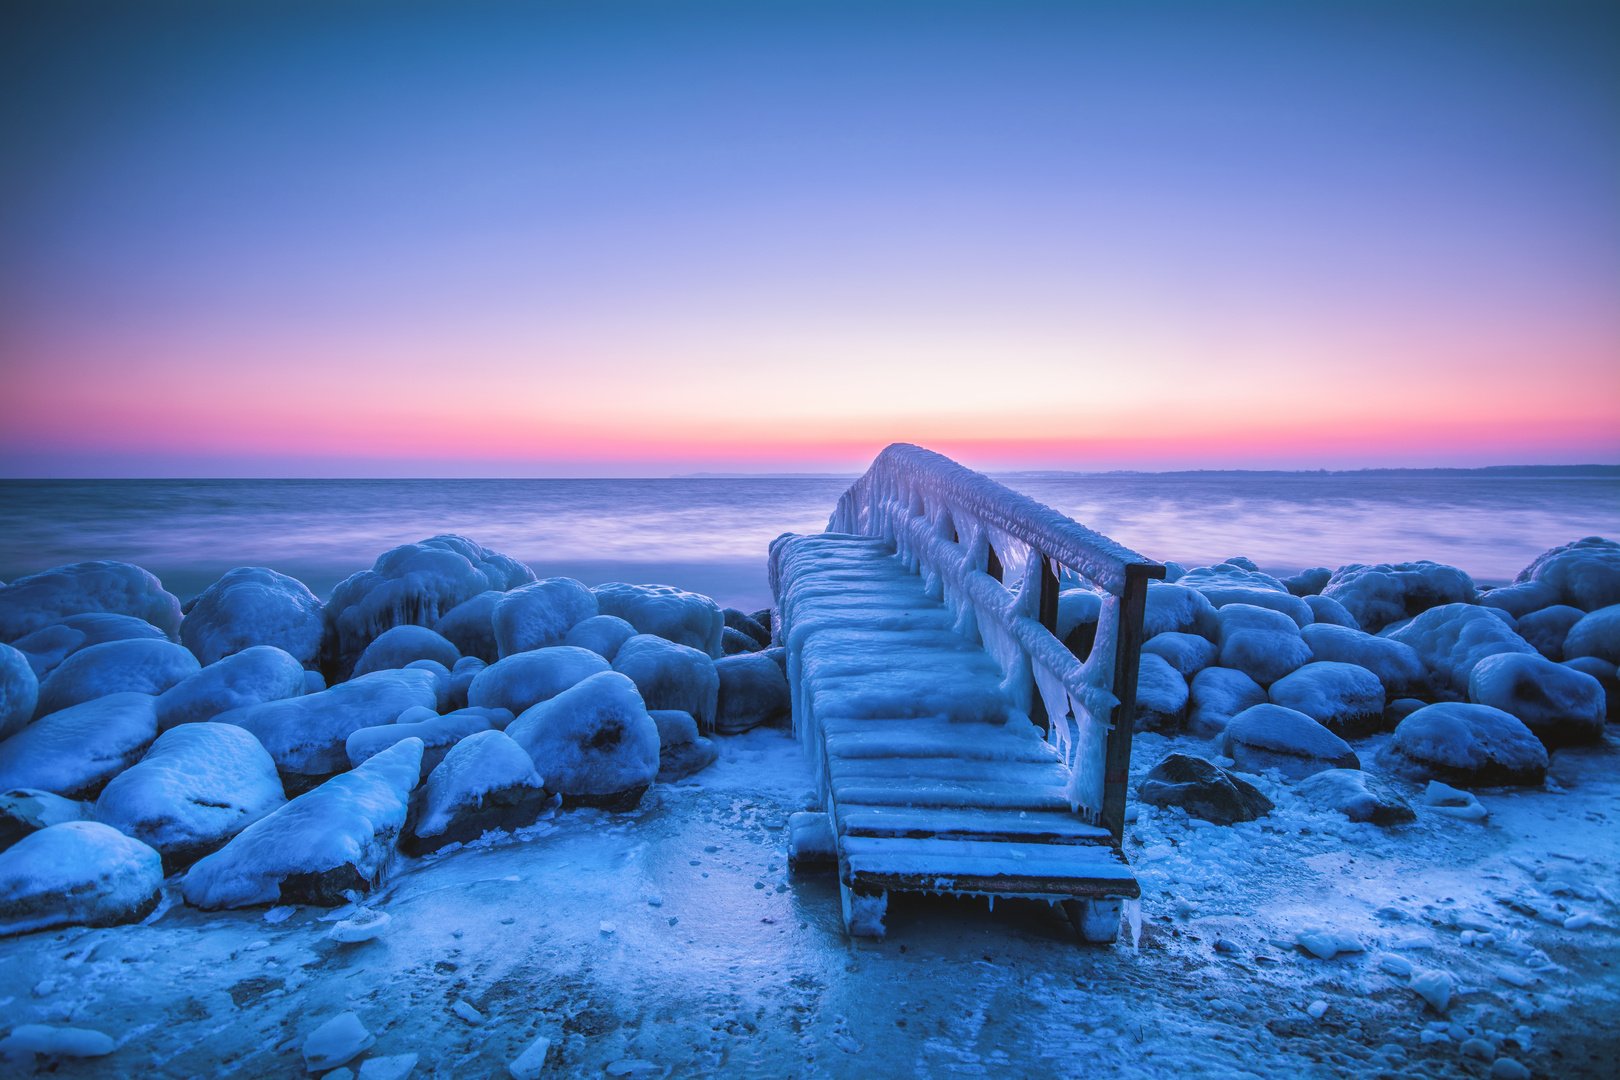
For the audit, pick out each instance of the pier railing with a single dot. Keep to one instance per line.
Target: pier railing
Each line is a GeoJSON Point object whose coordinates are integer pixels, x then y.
{"type": "Point", "coordinates": [996, 558]}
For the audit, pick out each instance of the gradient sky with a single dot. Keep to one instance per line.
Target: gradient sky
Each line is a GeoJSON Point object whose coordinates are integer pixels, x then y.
{"type": "Point", "coordinates": [595, 239]}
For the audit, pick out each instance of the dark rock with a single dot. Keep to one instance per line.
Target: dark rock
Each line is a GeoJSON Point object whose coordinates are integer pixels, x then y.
{"type": "Point", "coordinates": [1204, 790]}
{"type": "Point", "coordinates": [763, 617]}
{"type": "Point", "coordinates": [681, 750]}
{"type": "Point", "coordinates": [1604, 672]}
{"type": "Point", "coordinates": [746, 624]}
{"type": "Point", "coordinates": [735, 642]}
{"type": "Point", "coordinates": [752, 691]}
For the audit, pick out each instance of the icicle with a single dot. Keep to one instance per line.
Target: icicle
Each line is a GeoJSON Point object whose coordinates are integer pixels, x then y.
{"type": "Point", "coordinates": [1133, 916]}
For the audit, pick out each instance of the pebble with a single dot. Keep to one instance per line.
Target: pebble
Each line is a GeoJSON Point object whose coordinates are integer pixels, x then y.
{"type": "Point", "coordinates": [1478, 1048]}
{"type": "Point", "coordinates": [1316, 1009]}
{"type": "Point", "coordinates": [608, 928]}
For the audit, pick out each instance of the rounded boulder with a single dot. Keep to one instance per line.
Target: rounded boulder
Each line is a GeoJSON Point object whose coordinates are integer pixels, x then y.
{"type": "Point", "coordinates": [1561, 705]}
{"type": "Point", "coordinates": [540, 614]}
{"type": "Point", "coordinates": [1467, 744]}
{"type": "Point", "coordinates": [254, 605]}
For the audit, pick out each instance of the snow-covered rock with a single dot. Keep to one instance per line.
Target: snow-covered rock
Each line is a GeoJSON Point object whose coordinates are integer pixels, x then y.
{"type": "Point", "coordinates": [1585, 574]}
{"type": "Point", "coordinates": [74, 752]}
{"type": "Point", "coordinates": [811, 840]}
{"type": "Point", "coordinates": [1161, 695]}
{"type": "Point", "coordinates": [752, 691]}
{"type": "Point", "coordinates": [1217, 694]}
{"type": "Point", "coordinates": [438, 735]}
{"type": "Point", "coordinates": [416, 585]}
{"type": "Point", "coordinates": [593, 742]}
{"type": "Point", "coordinates": [486, 781]}
{"type": "Point", "coordinates": [681, 750]}
{"type": "Point", "coordinates": [1521, 599]}
{"type": "Point", "coordinates": [528, 678]}
{"type": "Point", "coordinates": [1546, 629]}
{"type": "Point", "coordinates": [253, 605]}
{"type": "Point", "coordinates": [1346, 699]}
{"type": "Point", "coordinates": [307, 735]}
{"type": "Point", "coordinates": [78, 873]}
{"type": "Point", "coordinates": [1465, 743]}
{"type": "Point", "coordinates": [540, 614]}
{"type": "Point", "coordinates": [1308, 583]}
{"type": "Point", "coordinates": [673, 676]}
{"type": "Point", "coordinates": [1227, 583]}
{"type": "Point", "coordinates": [1396, 664]}
{"type": "Point", "coordinates": [1263, 643]}
{"type": "Point", "coordinates": [470, 626]}
{"type": "Point", "coordinates": [1269, 736]}
{"type": "Point", "coordinates": [1077, 616]}
{"type": "Point", "coordinates": [1389, 592]}
{"type": "Point", "coordinates": [685, 618]}
{"type": "Point", "coordinates": [602, 634]}
{"type": "Point", "coordinates": [399, 646]}
{"type": "Point", "coordinates": [1597, 634]}
{"type": "Point", "coordinates": [1206, 791]}
{"type": "Point", "coordinates": [39, 600]}
{"type": "Point", "coordinates": [19, 691]}
{"type": "Point", "coordinates": [141, 665]}
{"type": "Point", "coordinates": [198, 786]}
{"type": "Point", "coordinates": [1560, 705]}
{"type": "Point", "coordinates": [1607, 677]}
{"type": "Point", "coordinates": [1178, 609]}
{"type": "Point", "coordinates": [1451, 639]}
{"type": "Point", "coordinates": [1349, 792]}
{"type": "Point", "coordinates": [28, 1041]}
{"type": "Point", "coordinates": [1187, 653]}
{"type": "Point", "coordinates": [331, 841]}
{"type": "Point", "coordinates": [257, 674]}
{"type": "Point", "coordinates": [28, 810]}
{"type": "Point", "coordinates": [48, 647]}
{"type": "Point", "coordinates": [1328, 611]}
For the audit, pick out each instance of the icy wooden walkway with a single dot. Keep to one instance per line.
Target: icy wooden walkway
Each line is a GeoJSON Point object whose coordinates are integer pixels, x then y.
{"type": "Point", "coordinates": [934, 777]}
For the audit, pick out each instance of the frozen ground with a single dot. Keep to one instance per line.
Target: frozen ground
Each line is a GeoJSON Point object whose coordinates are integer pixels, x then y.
{"type": "Point", "coordinates": [672, 941]}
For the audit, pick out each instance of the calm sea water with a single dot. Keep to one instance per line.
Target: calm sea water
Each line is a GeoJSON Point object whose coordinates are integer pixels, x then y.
{"type": "Point", "coordinates": [710, 535]}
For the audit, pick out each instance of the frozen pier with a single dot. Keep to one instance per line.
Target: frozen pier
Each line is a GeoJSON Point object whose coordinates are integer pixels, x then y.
{"type": "Point", "coordinates": [960, 745]}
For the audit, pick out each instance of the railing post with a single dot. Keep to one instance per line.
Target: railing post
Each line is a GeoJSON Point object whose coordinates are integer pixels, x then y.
{"type": "Point", "coordinates": [1049, 595]}
{"type": "Point", "coordinates": [993, 564]}
{"type": "Point", "coordinates": [1127, 658]}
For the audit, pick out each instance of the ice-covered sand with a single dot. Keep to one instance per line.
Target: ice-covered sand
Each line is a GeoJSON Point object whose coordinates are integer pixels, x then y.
{"type": "Point", "coordinates": [671, 941]}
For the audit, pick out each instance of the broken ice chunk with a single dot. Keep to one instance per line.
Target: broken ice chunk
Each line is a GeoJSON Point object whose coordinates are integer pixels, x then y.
{"type": "Point", "coordinates": [51, 1041]}
{"type": "Point", "coordinates": [467, 1012]}
{"type": "Point", "coordinates": [339, 1040]}
{"type": "Point", "coordinates": [527, 1065]}
{"type": "Point", "coordinates": [1326, 944]}
{"type": "Point", "coordinates": [1453, 802]}
{"type": "Point", "coordinates": [364, 926]}
{"type": "Point", "coordinates": [1433, 987]}
{"type": "Point", "coordinates": [389, 1067]}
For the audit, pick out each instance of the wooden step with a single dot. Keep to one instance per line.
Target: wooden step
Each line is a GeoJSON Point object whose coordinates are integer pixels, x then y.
{"type": "Point", "coordinates": [1005, 826]}
{"type": "Point", "coordinates": [971, 866]}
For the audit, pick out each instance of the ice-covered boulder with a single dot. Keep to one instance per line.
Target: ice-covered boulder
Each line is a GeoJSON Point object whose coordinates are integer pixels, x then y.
{"type": "Point", "coordinates": [1078, 613]}
{"type": "Point", "coordinates": [1396, 664]}
{"type": "Point", "coordinates": [1178, 609]}
{"type": "Point", "coordinates": [399, 646]}
{"type": "Point", "coordinates": [1346, 699]}
{"type": "Point", "coordinates": [1546, 629]}
{"type": "Point", "coordinates": [306, 735]}
{"type": "Point", "coordinates": [486, 781]}
{"type": "Point", "coordinates": [1271, 737]}
{"type": "Point", "coordinates": [470, 626]}
{"type": "Point", "coordinates": [1161, 695]}
{"type": "Point", "coordinates": [681, 750]}
{"type": "Point", "coordinates": [28, 810]}
{"type": "Point", "coordinates": [1308, 583]}
{"type": "Point", "coordinates": [78, 873]}
{"type": "Point", "coordinates": [48, 647]}
{"type": "Point", "coordinates": [527, 678]}
{"type": "Point", "coordinates": [258, 673]}
{"type": "Point", "coordinates": [76, 750]}
{"type": "Point", "coordinates": [1187, 653]}
{"type": "Point", "coordinates": [1560, 705]}
{"type": "Point", "coordinates": [1206, 791]}
{"type": "Point", "coordinates": [1350, 793]}
{"type": "Point", "coordinates": [1605, 673]}
{"type": "Point", "coordinates": [1227, 583]}
{"type": "Point", "coordinates": [673, 676]}
{"type": "Point", "coordinates": [1451, 639]}
{"type": "Point", "coordinates": [1463, 743]}
{"type": "Point", "coordinates": [254, 605]}
{"type": "Point", "coordinates": [438, 735]}
{"type": "Point", "coordinates": [460, 680]}
{"type": "Point", "coordinates": [744, 623]}
{"type": "Point", "coordinates": [593, 742]}
{"type": "Point", "coordinates": [685, 618]}
{"type": "Point", "coordinates": [540, 614]}
{"type": "Point", "coordinates": [198, 786]}
{"type": "Point", "coordinates": [326, 846]}
{"type": "Point", "coordinates": [141, 665]}
{"type": "Point", "coordinates": [19, 691]}
{"type": "Point", "coordinates": [1389, 592]}
{"type": "Point", "coordinates": [1263, 643]}
{"type": "Point", "coordinates": [1521, 599]}
{"type": "Point", "coordinates": [414, 585]}
{"type": "Point", "coordinates": [1585, 574]}
{"type": "Point", "coordinates": [39, 600]}
{"type": "Point", "coordinates": [1326, 610]}
{"type": "Point", "coordinates": [1597, 634]}
{"type": "Point", "coordinates": [602, 634]}
{"type": "Point", "coordinates": [735, 642]}
{"type": "Point", "coordinates": [752, 691]}
{"type": "Point", "coordinates": [1217, 694]}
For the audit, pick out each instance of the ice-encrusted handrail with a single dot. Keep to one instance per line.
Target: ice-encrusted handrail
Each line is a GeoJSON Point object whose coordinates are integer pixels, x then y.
{"type": "Point", "coordinates": [989, 553]}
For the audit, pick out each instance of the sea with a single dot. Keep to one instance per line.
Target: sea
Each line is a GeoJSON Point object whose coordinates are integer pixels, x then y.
{"type": "Point", "coordinates": [710, 534]}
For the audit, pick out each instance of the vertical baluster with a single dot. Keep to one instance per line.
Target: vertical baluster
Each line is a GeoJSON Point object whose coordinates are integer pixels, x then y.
{"type": "Point", "coordinates": [1127, 657]}
{"type": "Point", "coordinates": [993, 568]}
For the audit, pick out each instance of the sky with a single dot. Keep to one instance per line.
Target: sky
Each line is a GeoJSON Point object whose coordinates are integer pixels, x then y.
{"type": "Point", "coordinates": [597, 239]}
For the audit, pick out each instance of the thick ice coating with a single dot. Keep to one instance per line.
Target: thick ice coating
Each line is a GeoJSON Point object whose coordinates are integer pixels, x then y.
{"type": "Point", "coordinates": [602, 634]}
{"type": "Point", "coordinates": [438, 735]}
{"type": "Point", "coordinates": [399, 646]}
{"type": "Point", "coordinates": [1217, 694]}
{"type": "Point", "coordinates": [1584, 574]}
{"type": "Point", "coordinates": [332, 840]}
{"type": "Point", "coordinates": [1395, 663]}
{"type": "Point", "coordinates": [1187, 653]}
{"type": "Point", "coordinates": [1597, 634]}
{"type": "Point", "coordinates": [1269, 736]}
{"type": "Point", "coordinates": [1389, 592]}
{"type": "Point", "coordinates": [592, 739]}
{"type": "Point", "coordinates": [19, 691]}
{"type": "Point", "coordinates": [682, 617]}
{"type": "Point", "coordinates": [1465, 744]}
{"type": "Point", "coordinates": [540, 614]}
{"type": "Point", "coordinates": [198, 786]}
{"type": "Point", "coordinates": [752, 691]}
{"type": "Point", "coordinates": [39, 600]}
{"type": "Point", "coordinates": [1346, 699]}
{"type": "Point", "coordinates": [78, 873]}
{"type": "Point", "coordinates": [254, 605]}
{"type": "Point", "coordinates": [1229, 584]}
{"type": "Point", "coordinates": [671, 676]}
{"type": "Point", "coordinates": [1179, 609]}
{"type": "Point", "coordinates": [257, 674]}
{"type": "Point", "coordinates": [470, 627]}
{"type": "Point", "coordinates": [75, 751]}
{"type": "Point", "coordinates": [528, 678]}
{"type": "Point", "coordinates": [1560, 705]}
{"type": "Point", "coordinates": [1263, 643]}
{"type": "Point", "coordinates": [1161, 695]}
{"type": "Point", "coordinates": [141, 665]}
{"type": "Point", "coordinates": [1451, 639]}
{"type": "Point", "coordinates": [486, 766]}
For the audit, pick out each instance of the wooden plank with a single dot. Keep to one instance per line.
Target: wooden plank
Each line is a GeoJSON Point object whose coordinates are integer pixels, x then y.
{"type": "Point", "coordinates": [931, 737]}
{"type": "Point", "coordinates": [1050, 773]}
{"type": "Point", "coordinates": [1044, 869]}
{"type": "Point", "coordinates": [946, 795]}
{"type": "Point", "coordinates": [990, 825]}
